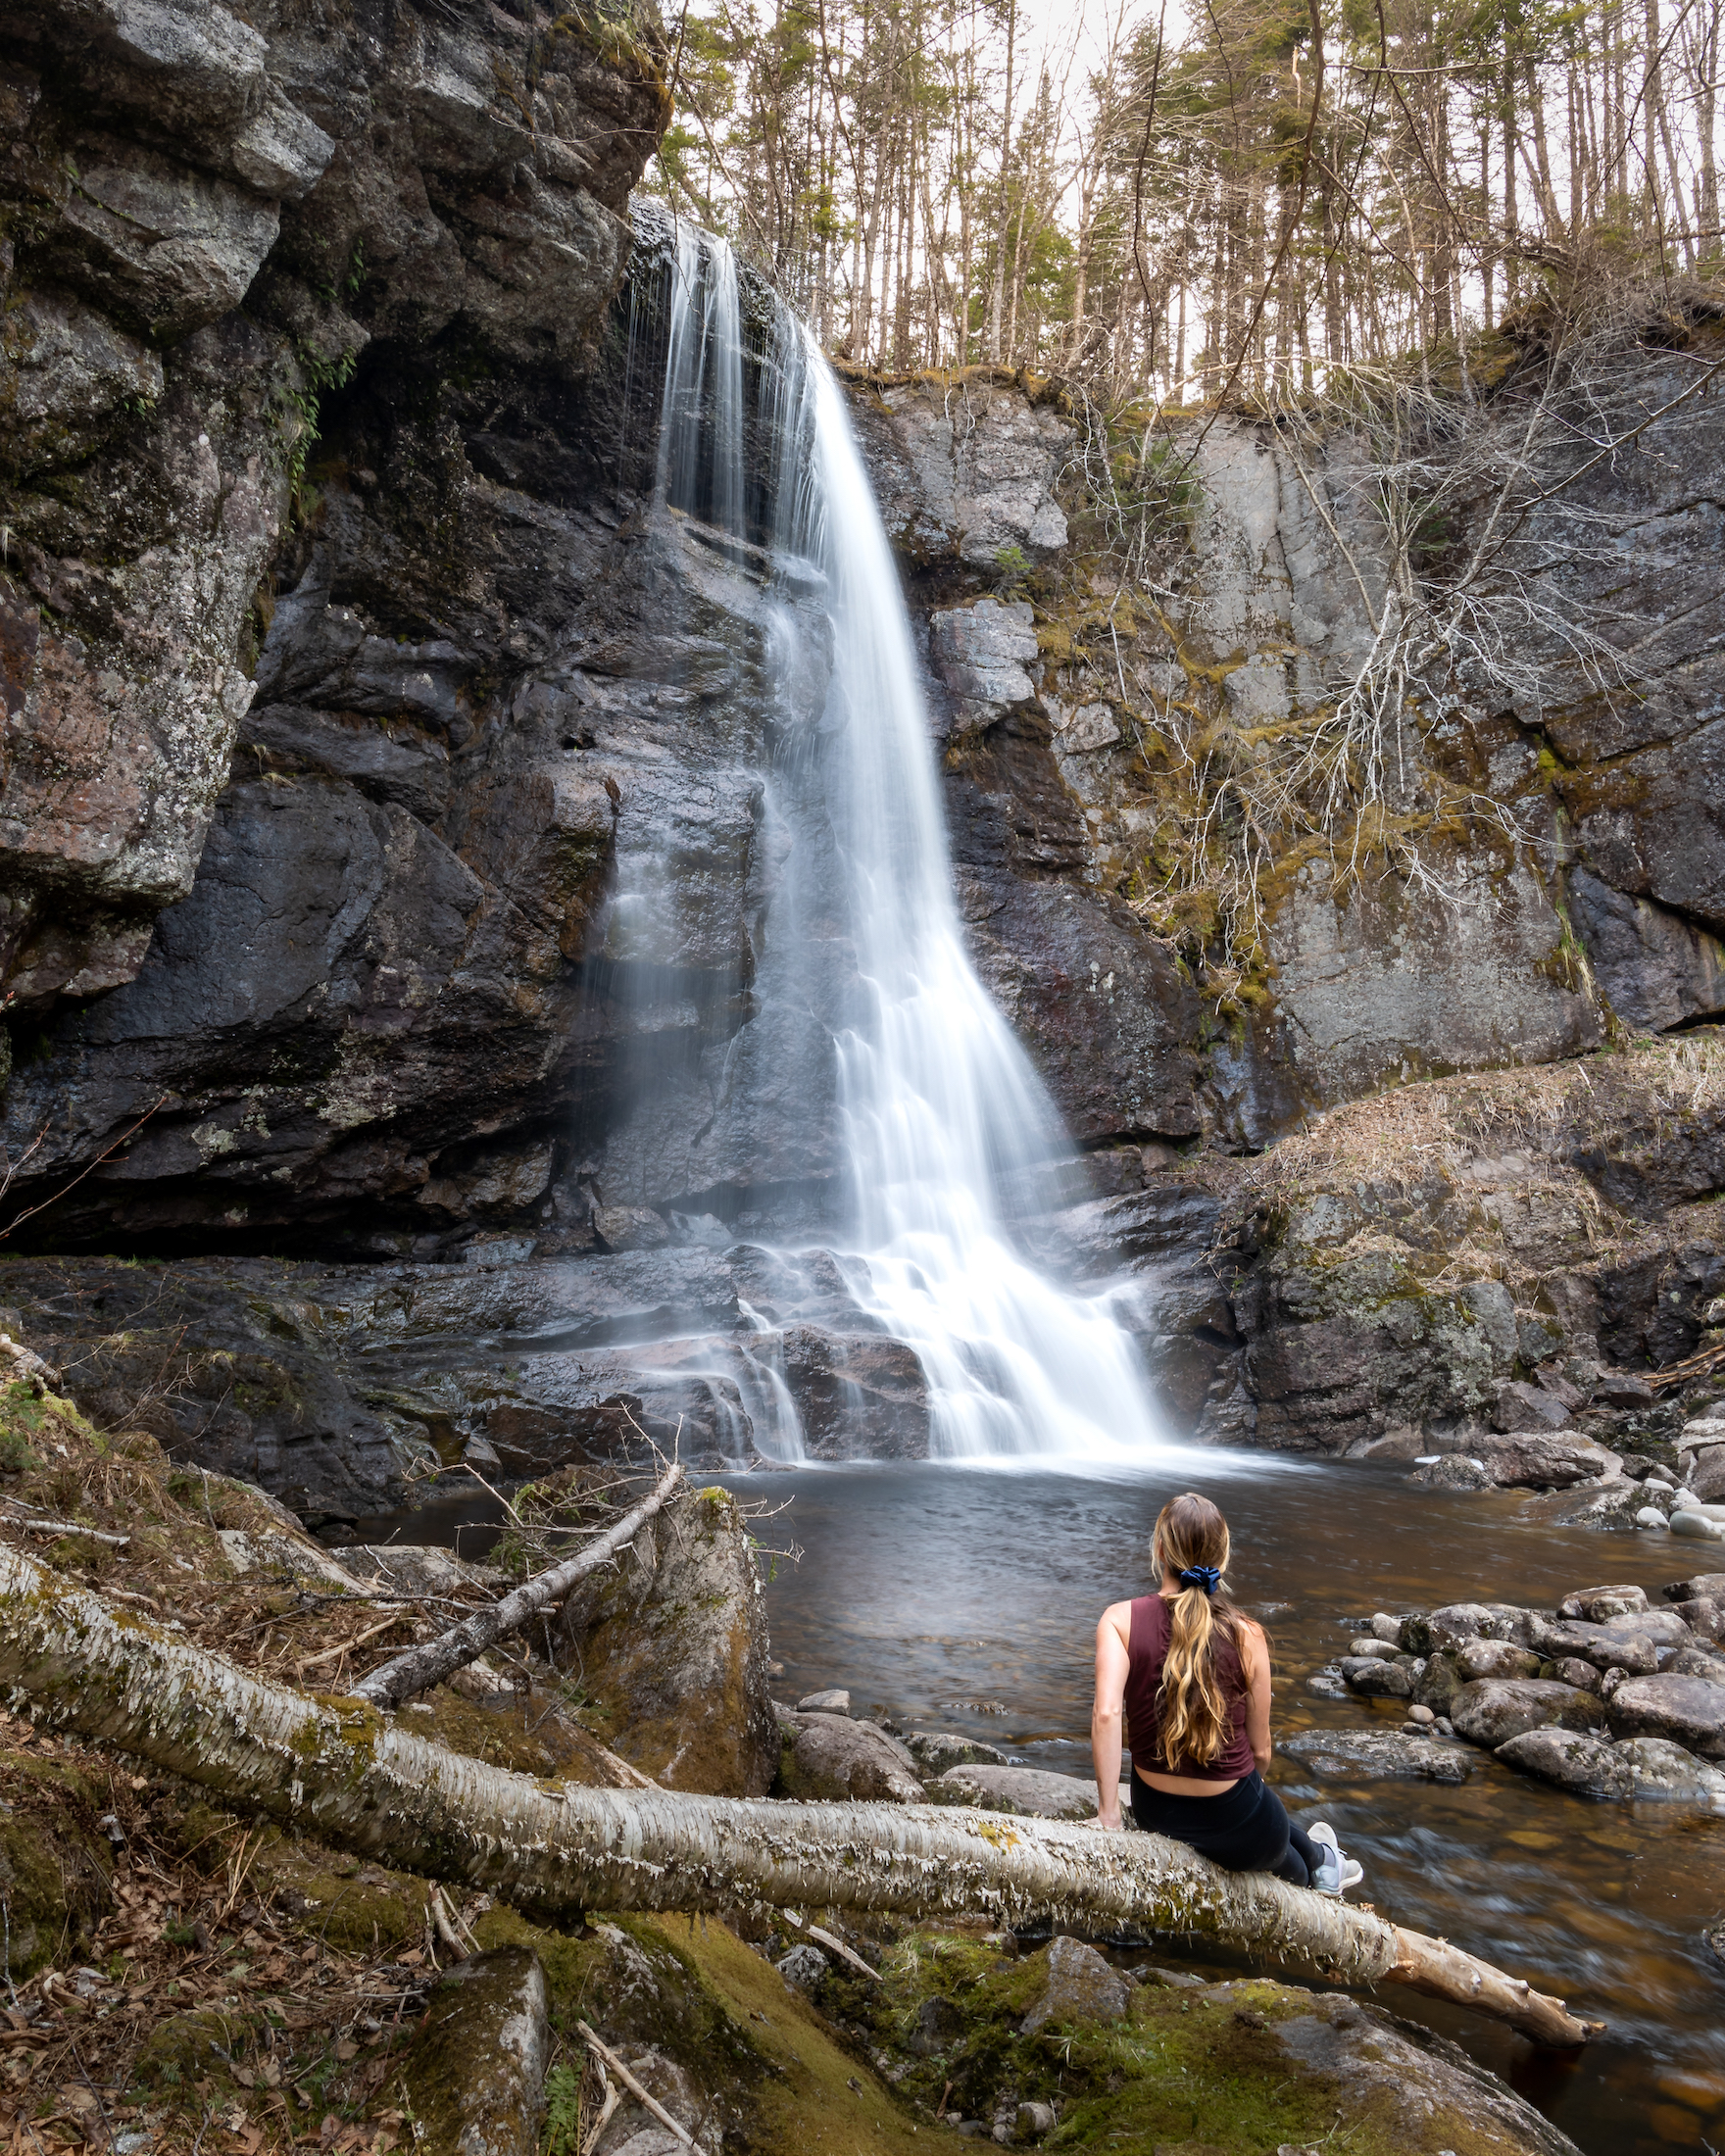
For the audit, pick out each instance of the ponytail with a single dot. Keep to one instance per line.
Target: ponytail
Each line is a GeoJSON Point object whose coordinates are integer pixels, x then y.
{"type": "Point", "coordinates": [1191, 1540]}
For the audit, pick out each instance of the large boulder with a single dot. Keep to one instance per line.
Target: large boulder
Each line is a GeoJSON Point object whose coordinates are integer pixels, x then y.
{"type": "Point", "coordinates": [829, 1755]}
{"type": "Point", "coordinates": [670, 1647]}
{"type": "Point", "coordinates": [1495, 1708]}
{"type": "Point", "coordinates": [1686, 1710]}
{"type": "Point", "coordinates": [1637, 1767]}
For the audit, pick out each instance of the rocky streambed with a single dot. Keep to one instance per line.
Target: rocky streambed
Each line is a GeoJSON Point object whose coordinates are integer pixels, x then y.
{"type": "Point", "coordinates": [1606, 1695]}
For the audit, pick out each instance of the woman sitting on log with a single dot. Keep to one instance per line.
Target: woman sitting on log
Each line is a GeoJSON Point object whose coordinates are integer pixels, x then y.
{"type": "Point", "coordinates": [1193, 1677]}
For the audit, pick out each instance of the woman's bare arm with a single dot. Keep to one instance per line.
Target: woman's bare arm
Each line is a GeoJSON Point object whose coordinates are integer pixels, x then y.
{"type": "Point", "coordinates": [1112, 1664]}
{"type": "Point", "coordinates": [1255, 1653]}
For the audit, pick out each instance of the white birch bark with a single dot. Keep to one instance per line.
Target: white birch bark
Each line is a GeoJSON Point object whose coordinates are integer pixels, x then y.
{"type": "Point", "coordinates": [351, 1776]}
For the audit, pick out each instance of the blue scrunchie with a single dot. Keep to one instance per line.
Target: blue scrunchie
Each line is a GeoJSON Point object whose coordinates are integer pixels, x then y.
{"type": "Point", "coordinates": [1207, 1576]}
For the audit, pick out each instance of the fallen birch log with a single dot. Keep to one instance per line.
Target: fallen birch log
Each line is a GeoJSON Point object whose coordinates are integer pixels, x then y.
{"type": "Point", "coordinates": [351, 1776]}
{"type": "Point", "coordinates": [421, 1667]}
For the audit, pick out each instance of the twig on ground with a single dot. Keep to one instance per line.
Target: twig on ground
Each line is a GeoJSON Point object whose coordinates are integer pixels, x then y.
{"type": "Point", "coordinates": [609, 2058]}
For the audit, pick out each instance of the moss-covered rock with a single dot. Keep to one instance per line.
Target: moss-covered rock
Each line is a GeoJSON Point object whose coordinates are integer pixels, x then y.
{"type": "Point", "coordinates": [54, 1861]}
{"type": "Point", "coordinates": [1237, 2067]}
{"type": "Point", "coordinates": [198, 2045]}
{"type": "Point", "coordinates": [671, 1649]}
{"type": "Point", "coordinates": [475, 2073]}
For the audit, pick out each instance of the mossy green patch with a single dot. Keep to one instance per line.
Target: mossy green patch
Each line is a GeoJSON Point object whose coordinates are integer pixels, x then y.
{"type": "Point", "coordinates": [54, 1861]}
{"type": "Point", "coordinates": [200, 2045]}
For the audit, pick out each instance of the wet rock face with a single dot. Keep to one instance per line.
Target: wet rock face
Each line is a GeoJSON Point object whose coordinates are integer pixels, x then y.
{"type": "Point", "coordinates": [1369, 980]}
{"type": "Point", "coordinates": [1504, 1250]}
{"type": "Point", "coordinates": [406, 175]}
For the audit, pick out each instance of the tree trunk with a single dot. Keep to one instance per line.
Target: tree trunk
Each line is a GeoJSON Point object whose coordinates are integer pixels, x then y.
{"type": "Point", "coordinates": [348, 1775]}
{"type": "Point", "coordinates": [998, 293]}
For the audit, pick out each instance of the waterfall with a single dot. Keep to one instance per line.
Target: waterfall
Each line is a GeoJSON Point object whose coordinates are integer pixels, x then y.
{"type": "Point", "coordinates": [939, 1108]}
{"type": "Point", "coordinates": [701, 418]}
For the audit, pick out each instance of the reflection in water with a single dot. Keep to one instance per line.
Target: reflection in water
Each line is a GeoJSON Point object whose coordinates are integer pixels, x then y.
{"type": "Point", "coordinates": [924, 1586]}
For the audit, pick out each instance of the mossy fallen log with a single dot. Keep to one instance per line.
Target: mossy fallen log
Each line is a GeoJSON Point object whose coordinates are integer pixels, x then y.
{"type": "Point", "coordinates": [355, 1777]}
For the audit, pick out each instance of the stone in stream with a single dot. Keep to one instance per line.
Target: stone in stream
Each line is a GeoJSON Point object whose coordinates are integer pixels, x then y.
{"type": "Point", "coordinates": [1688, 1710]}
{"type": "Point", "coordinates": [1704, 1617]}
{"type": "Point", "coordinates": [1081, 1988]}
{"type": "Point", "coordinates": [1569, 1669]}
{"type": "Point", "coordinates": [1697, 1527]}
{"type": "Point", "coordinates": [1623, 1642]}
{"type": "Point", "coordinates": [1373, 1678]}
{"type": "Point", "coordinates": [1696, 1661]}
{"type": "Point", "coordinates": [836, 1701]}
{"type": "Point", "coordinates": [1598, 1605]}
{"type": "Point", "coordinates": [1494, 1710]}
{"type": "Point", "coordinates": [1031, 1791]}
{"type": "Point", "coordinates": [1478, 1658]}
{"type": "Point", "coordinates": [1636, 1767]}
{"type": "Point", "coordinates": [935, 1750]}
{"type": "Point", "coordinates": [1698, 1586]}
{"type": "Point", "coordinates": [1439, 1683]}
{"type": "Point", "coordinates": [1380, 1755]}
{"type": "Point", "coordinates": [1455, 1622]}
{"type": "Point", "coordinates": [832, 1756]}
{"type": "Point", "coordinates": [1375, 1647]}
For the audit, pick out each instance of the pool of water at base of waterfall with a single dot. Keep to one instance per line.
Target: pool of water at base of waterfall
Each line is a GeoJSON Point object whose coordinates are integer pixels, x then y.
{"type": "Point", "coordinates": [942, 1594]}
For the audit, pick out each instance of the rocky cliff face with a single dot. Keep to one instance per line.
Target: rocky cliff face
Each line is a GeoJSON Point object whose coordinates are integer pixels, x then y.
{"type": "Point", "coordinates": [1571, 834]}
{"type": "Point", "coordinates": [207, 223]}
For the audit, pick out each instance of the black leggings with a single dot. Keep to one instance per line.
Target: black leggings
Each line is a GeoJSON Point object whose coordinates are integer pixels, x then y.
{"type": "Point", "coordinates": [1244, 1830]}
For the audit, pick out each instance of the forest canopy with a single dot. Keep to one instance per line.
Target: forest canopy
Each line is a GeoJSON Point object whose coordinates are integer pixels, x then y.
{"type": "Point", "coordinates": [1245, 195]}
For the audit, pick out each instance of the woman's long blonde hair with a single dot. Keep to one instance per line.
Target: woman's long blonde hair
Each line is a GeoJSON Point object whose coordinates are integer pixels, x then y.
{"type": "Point", "coordinates": [1196, 1720]}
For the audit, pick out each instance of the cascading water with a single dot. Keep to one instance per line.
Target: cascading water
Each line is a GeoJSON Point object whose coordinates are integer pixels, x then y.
{"type": "Point", "coordinates": [939, 1106]}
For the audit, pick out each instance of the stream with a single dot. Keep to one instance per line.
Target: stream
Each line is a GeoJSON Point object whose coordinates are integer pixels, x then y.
{"type": "Point", "coordinates": [966, 1597]}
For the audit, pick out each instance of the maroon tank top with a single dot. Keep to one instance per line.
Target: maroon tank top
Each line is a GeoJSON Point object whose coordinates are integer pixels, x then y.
{"type": "Point", "coordinates": [1147, 1654]}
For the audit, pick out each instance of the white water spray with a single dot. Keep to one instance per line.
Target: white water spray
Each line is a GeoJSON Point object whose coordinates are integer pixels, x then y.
{"type": "Point", "coordinates": [940, 1104]}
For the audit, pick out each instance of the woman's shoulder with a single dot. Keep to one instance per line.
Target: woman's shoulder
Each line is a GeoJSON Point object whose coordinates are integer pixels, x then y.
{"type": "Point", "coordinates": [1250, 1634]}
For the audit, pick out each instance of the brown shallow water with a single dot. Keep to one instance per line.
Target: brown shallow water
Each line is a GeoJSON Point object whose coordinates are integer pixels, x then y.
{"type": "Point", "coordinates": [937, 1592]}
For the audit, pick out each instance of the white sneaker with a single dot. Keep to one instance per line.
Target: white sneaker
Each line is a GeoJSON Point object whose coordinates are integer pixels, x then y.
{"type": "Point", "coordinates": [1337, 1872]}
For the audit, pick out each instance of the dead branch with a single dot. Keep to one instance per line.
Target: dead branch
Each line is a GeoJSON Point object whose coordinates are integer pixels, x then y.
{"type": "Point", "coordinates": [420, 1667]}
